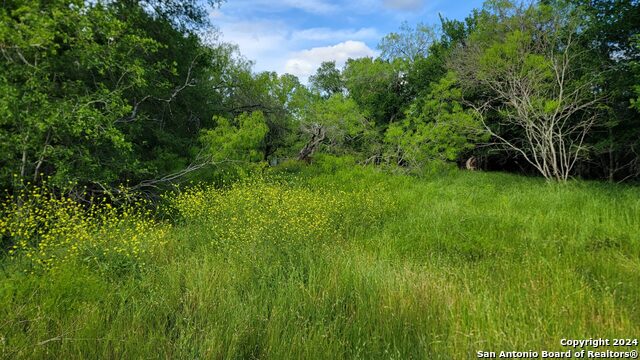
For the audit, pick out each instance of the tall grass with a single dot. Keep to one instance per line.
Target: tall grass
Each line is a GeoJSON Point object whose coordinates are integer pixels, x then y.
{"type": "Point", "coordinates": [348, 264]}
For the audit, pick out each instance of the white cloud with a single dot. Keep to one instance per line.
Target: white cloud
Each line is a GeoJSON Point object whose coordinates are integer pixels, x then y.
{"type": "Point", "coordinates": [304, 63]}
{"type": "Point", "coordinates": [255, 36]}
{"type": "Point", "coordinates": [263, 41]}
{"type": "Point", "coordinates": [406, 5]}
{"type": "Point", "coordinates": [274, 45]}
{"type": "Point", "coordinates": [324, 34]}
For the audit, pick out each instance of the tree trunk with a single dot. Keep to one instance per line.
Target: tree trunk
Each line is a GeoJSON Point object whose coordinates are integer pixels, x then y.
{"type": "Point", "coordinates": [317, 137]}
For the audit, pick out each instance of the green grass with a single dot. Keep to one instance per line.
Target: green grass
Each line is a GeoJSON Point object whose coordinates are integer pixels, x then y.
{"type": "Point", "coordinates": [406, 268]}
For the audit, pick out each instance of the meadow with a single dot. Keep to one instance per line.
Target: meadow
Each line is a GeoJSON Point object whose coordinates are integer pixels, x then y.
{"type": "Point", "coordinates": [324, 263]}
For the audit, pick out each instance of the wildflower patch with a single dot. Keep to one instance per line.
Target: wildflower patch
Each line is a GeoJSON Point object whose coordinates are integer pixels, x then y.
{"type": "Point", "coordinates": [259, 211]}
{"type": "Point", "coordinates": [49, 231]}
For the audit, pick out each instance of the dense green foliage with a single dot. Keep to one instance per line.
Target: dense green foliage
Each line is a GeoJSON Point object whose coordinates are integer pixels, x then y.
{"type": "Point", "coordinates": [103, 94]}
{"type": "Point", "coordinates": [611, 36]}
{"type": "Point", "coordinates": [343, 264]}
{"type": "Point", "coordinates": [436, 127]}
{"type": "Point", "coordinates": [552, 84]}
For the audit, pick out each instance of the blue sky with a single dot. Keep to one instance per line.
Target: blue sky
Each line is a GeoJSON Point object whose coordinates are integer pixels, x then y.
{"type": "Point", "coordinates": [295, 36]}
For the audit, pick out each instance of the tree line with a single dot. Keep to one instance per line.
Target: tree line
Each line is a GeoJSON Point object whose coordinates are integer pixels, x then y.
{"type": "Point", "coordinates": [547, 88]}
{"type": "Point", "coordinates": [104, 95]}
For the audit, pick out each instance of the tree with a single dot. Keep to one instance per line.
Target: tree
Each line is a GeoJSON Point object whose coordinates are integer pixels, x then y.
{"type": "Point", "coordinates": [531, 67]}
{"type": "Point", "coordinates": [378, 87]}
{"type": "Point", "coordinates": [437, 127]}
{"type": "Point", "coordinates": [58, 117]}
{"type": "Point", "coordinates": [608, 35]}
{"type": "Point", "coordinates": [409, 44]}
{"type": "Point", "coordinates": [327, 80]}
{"type": "Point", "coordinates": [102, 93]}
{"type": "Point", "coordinates": [272, 95]}
{"type": "Point", "coordinates": [335, 123]}
{"type": "Point", "coordinates": [239, 140]}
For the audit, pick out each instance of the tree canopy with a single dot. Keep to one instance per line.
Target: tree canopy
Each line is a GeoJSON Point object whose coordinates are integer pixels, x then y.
{"type": "Point", "coordinates": [105, 93]}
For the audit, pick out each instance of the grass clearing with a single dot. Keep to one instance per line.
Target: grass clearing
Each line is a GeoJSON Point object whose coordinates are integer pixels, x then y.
{"type": "Point", "coordinates": [348, 264]}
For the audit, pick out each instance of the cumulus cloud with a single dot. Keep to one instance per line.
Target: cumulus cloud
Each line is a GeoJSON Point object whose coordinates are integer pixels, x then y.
{"type": "Point", "coordinates": [268, 36]}
{"type": "Point", "coordinates": [274, 46]}
{"type": "Point", "coordinates": [406, 5]}
{"type": "Point", "coordinates": [263, 41]}
{"type": "Point", "coordinates": [304, 63]}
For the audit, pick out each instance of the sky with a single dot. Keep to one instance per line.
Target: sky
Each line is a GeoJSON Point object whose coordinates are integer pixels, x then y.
{"type": "Point", "coordinates": [296, 36]}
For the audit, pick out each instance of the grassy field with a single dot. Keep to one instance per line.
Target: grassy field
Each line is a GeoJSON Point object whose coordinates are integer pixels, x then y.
{"type": "Point", "coordinates": [349, 264]}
